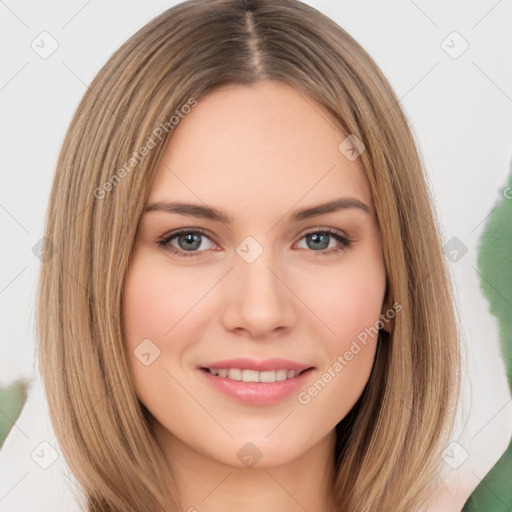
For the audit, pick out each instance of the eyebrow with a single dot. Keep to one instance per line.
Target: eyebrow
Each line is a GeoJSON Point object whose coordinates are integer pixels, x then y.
{"type": "Point", "coordinates": [208, 212]}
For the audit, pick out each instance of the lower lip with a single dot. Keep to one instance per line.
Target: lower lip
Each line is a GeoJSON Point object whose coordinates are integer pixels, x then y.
{"type": "Point", "coordinates": [257, 393]}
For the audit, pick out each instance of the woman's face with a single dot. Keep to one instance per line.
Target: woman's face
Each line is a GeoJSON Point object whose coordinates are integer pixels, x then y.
{"type": "Point", "coordinates": [251, 277]}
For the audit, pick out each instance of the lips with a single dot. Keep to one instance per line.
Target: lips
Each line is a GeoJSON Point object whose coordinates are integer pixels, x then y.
{"type": "Point", "coordinates": [255, 382]}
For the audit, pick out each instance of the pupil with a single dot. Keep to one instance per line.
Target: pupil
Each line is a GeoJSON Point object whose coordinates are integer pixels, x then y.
{"type": "Point", "coordinates": [317, 240]}
{"type": "Point", "coordinates": [191, 239]}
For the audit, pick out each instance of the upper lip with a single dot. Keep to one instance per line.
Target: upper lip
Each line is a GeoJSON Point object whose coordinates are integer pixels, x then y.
{"type": "Point", "coordinates": [260, 366]}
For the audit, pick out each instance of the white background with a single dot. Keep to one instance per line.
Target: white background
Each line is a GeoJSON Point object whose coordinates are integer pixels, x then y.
{"type": "Point", "coordinates": [461, 111]}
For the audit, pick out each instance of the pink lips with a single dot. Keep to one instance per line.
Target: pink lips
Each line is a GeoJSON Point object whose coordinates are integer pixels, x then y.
{"type": "Point", "coordinates": [257, 393]}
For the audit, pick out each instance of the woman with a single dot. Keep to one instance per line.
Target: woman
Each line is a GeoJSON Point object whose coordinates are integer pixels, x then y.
{"type": "Point", "coordinates": [247, 303]}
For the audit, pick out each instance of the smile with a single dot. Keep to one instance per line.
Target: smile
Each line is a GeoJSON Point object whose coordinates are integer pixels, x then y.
{"type": "Point", "coordinates": [252, 387]}
{"type": "Point", "coordinates": [246, 375]}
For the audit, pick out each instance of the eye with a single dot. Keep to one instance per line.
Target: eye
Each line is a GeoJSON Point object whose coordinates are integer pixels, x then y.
{"type": "Point", "coordinates": [188, 242]}
{"type": "Point", "coordinates": [320, 240]}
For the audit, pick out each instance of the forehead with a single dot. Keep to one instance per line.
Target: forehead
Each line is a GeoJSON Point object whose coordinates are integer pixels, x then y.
{"type": "Point", "coordinates": [265, 146]}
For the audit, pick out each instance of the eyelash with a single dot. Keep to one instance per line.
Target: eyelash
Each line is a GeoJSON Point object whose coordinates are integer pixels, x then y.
{"type": "Point", "coordinates": [165, 240]}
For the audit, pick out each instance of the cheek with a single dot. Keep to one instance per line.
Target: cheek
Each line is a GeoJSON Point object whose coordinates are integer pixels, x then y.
{"type": "Point", "coordinates": [351, 313]}
{"type": "Point", "coordinates": [347, 299]}
{"type": "Point", "coordinates": [155, 300]}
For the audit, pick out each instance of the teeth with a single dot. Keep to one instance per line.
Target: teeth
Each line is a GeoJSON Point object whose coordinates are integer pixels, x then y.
{"type": "Point", "coordinates": [234, 374]}
{"type": "Point", "coordinates": [253, 375]}
{"type": "Point", "coordinates": [269, 376]}
{"type": "Point", "coordinates": [283, 374]}
{"type": "Point", "coordinates": [250, 376]}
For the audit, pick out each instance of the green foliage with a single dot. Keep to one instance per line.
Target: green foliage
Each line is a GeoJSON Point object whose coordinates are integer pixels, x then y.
{"type": "Point", "coordinates": [495, 264]}
{"type": "Point", "coordinates": [11, 403]}
{"type": "Point", "coordinates": [494, 493]}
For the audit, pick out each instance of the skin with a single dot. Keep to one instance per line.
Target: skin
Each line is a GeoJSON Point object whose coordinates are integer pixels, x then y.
{"type": "Point", "coordinates": [258, 153]}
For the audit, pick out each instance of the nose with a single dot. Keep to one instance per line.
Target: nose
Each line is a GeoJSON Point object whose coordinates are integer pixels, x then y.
{"type": "Point", "coordinates": [259, 298]}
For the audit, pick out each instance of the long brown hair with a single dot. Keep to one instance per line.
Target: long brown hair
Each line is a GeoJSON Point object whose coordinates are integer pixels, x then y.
{"type": "Point", "coordinates": [388, 447]}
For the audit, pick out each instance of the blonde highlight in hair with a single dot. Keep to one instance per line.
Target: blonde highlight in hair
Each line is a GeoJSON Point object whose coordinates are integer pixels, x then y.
{"type": "Point", "coordinates": [389, 445]}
